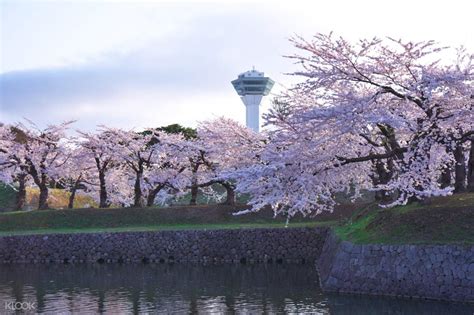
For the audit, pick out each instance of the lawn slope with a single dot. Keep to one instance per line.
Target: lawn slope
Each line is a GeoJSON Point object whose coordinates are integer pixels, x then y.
{"type": "Point", "coordinates": [444, 220]}
{"type": "Point", "coordinates": [149, 219]}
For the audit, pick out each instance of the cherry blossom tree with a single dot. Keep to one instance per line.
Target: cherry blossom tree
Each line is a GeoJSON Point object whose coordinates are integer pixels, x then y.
{"type": "Point", "coordinates": [401, 86]}
{"type": "Point", "coordinates": [225, 146]}
{"type": "Point", "coordinates": [39, 153]}
{"type": "Point", "coordinates": [101, 148]}
{"type": "Point", "coordinates": [384, 115]}
{"type": "Point", "coordinates": [12, 171]}
{"type": "Point", "coordinates": [136, 151]}
{"type": "Point", "coordinates": [195, 161]}
{"type": "Point", "coordinates": [78, 173]}
{"type": "Point", "coordinates": [166, 174]}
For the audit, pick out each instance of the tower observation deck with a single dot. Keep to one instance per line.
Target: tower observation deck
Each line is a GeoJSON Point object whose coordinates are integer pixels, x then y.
{"type": "Point", "coordinates": [251, 87]}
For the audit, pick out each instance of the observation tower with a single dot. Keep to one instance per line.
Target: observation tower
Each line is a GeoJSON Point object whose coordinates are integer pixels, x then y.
{"type": "Point", "coordinates": [251, 87]}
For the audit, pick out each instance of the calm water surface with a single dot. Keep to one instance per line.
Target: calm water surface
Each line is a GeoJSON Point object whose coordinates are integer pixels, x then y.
{"type": "Point", "coordinates": [183, 288]}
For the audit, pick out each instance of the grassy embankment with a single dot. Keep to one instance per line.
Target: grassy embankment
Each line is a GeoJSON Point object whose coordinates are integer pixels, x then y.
{"type": "Point", "coordinates": [147, 219]}
{"type": "Point", "coordinates": [445, 220]}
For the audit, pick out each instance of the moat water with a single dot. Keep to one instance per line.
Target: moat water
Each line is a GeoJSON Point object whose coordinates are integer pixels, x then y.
{"type": "Point", "coordinates": [189, 289]}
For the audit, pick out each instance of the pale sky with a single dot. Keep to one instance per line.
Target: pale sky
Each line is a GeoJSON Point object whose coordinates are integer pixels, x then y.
{"type": "Point", "coordinates": [152, 63]}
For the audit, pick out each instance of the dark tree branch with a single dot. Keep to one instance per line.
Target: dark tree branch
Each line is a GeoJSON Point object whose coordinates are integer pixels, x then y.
{"type": "Point", "coordinates": [371, 157]}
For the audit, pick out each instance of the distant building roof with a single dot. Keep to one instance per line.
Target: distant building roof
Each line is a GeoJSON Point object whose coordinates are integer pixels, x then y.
{"type": "Point", "coordinates": [253, 82]}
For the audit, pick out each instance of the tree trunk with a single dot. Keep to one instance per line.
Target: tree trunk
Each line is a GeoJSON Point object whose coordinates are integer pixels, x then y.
{"type": "Point", "coordinates": [459, 169]}
{"type": "Point", "coordinates": [138, 200]}
{"type": "Point", "coordinates": [194, 185]}
{"type": "Point", "coordinates": [103, 202]}
{"type": "Point", "coordinates": [70, 205]}
{"type": "Point", "coordinates": [194, 193]}
{"type": "Point", "coordinates": [41, 180]}
{"type": "Point", "coordinates": [21, 194]}
{"type": "Point", "coordinates": [150, 200]}
{"type": "Point", "coordinates": [74, 188]}
{"type": "Point", "coordinates": [445, 178]}
{"type": "Point", "coordinates": [72, 196]}
{"type": "Point", "coordinates": [43, 197]}
{"type": "Point", "coordinates": [470, 169]}
{"type": "Point", "coordinates": [384, 174]}
{"type": "Point", "coordinates": [230, 194]}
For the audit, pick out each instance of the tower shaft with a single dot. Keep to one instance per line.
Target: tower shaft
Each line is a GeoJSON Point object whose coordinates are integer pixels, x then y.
{"type": "Point", "coordinates": [252, 111]}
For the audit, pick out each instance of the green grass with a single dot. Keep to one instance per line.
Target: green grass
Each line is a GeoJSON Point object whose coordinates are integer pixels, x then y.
{"type": "Point", "coordinates": [175, 227]}
{"type": "Point", "coordinates": [444, 220]}
{"type": "Point", "coordinates": [355, 228]}
{"type": "Point", "coordinates": [147, 219]}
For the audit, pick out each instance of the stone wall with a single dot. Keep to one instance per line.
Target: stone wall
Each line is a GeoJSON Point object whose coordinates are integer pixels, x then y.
{"type": "Point", "coordinates": [243, 245]}
{"type": "Point", "coordinates": [424, 271]}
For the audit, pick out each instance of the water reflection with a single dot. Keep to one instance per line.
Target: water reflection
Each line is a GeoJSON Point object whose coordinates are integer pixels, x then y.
{"type": "Point", "coordinates": [181, 288]}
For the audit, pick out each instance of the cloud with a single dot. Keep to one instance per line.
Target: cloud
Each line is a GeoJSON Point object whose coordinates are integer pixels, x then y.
{"type": "Point", "coordinates": [134, 65]}
{"type": "Point", "coordinates": [185, 74]}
